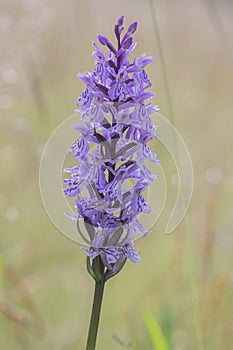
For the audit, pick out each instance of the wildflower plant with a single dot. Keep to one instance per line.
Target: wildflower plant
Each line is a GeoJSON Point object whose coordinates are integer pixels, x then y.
{"type": "Point", "coordinates": [111, 175]}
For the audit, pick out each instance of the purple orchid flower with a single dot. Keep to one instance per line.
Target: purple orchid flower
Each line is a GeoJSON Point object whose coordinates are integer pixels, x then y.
{"type": "Point", "coordinates": [113, 149]}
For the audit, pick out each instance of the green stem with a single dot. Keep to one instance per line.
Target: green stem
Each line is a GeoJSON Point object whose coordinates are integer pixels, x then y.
{"type": "Point", "coordinates": [95, 314]}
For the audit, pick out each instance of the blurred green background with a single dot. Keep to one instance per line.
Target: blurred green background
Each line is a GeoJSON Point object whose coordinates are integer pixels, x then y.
{"type": "Point", "coordinates": [182, 290]}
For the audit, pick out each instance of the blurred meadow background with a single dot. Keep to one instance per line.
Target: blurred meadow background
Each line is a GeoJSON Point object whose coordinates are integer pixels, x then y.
{"type": "Point", "coordinates": [180, 296]}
